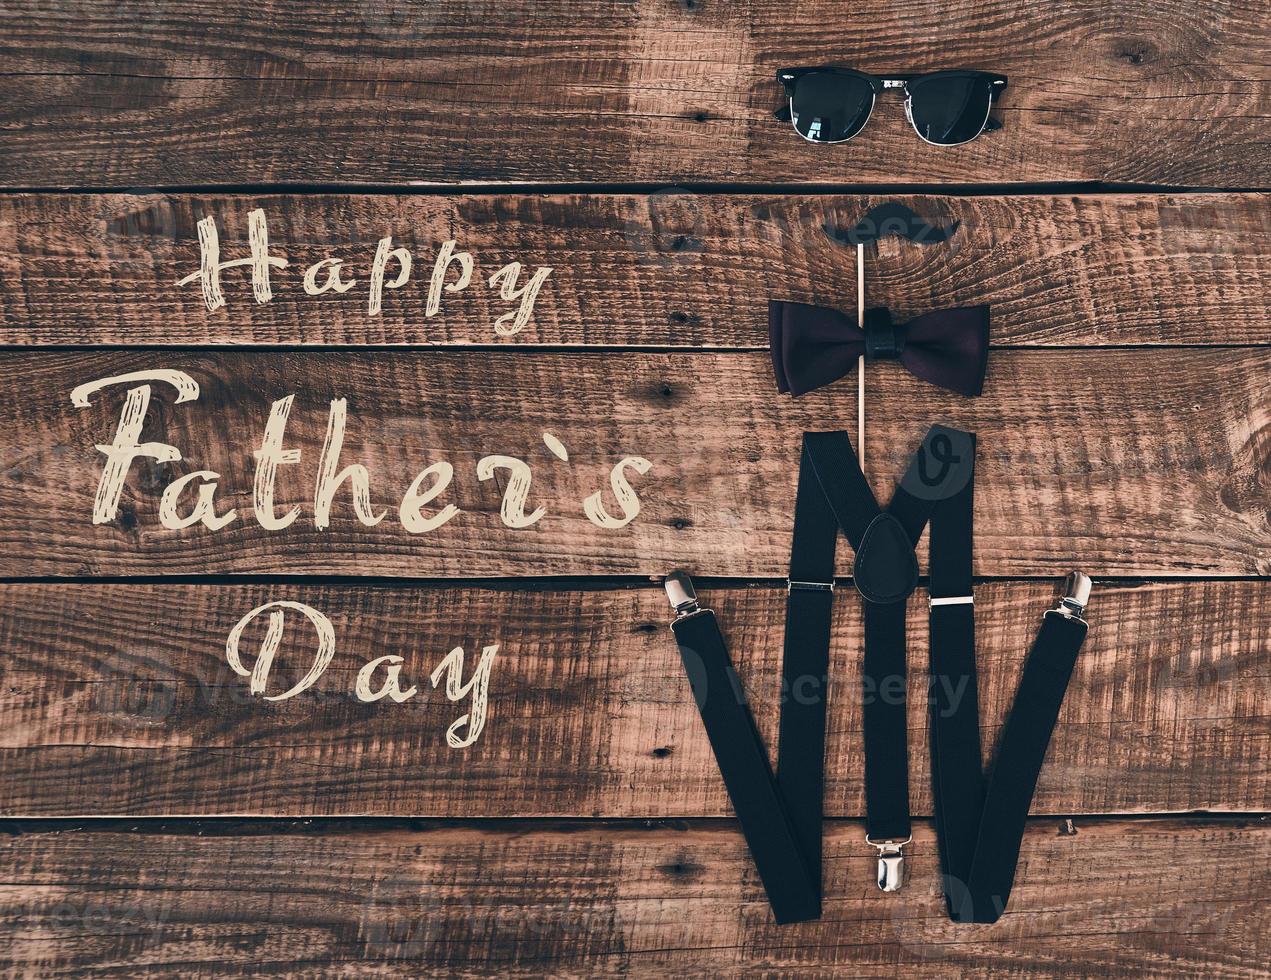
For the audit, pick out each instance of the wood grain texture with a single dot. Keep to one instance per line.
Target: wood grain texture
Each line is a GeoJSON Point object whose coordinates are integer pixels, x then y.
{"type": "Point", "coordinates": [671, 269]}
{"type": "Point", "coordinates": [105, 93]}
{"type": "Point", "coordinates": [1125, 462]}
{"type": "Point", "coordinates": [118, 700]}
{"type": "Point", "coordinates": [1102, 898]}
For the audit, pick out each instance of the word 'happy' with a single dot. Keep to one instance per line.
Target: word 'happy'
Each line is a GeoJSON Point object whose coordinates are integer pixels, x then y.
{"type": "Point", "coordinates": [390, 268]}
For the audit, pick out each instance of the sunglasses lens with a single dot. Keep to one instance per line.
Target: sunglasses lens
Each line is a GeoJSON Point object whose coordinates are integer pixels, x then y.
{"type": "Point", "coordinates": [950, 109]}
{"type": "Point", "coordinates": [830, 108]}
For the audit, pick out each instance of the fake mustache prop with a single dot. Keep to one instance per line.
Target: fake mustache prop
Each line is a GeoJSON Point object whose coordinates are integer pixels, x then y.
{"type": "Point", "coordinates": [892, 218]}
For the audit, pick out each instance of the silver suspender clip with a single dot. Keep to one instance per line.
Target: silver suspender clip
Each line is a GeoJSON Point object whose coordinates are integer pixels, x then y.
{"type": "Point", "coordinates": [682, 595]}
{"type": "Point", "coordinates": [891, 862]}
{"type": "Point", "coordinates": [1075, 598]}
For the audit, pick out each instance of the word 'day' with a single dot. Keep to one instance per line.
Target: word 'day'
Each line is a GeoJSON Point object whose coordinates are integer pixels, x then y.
{"type": "Point", "coordinates": [377, 680]}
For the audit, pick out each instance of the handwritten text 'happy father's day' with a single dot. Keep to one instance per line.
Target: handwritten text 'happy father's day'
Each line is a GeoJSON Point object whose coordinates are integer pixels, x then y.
{"type": "Point", "coordinates": [418, 512]}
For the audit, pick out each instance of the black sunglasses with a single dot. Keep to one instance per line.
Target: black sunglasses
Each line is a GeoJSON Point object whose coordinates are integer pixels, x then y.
{"type": "Point", "coordinates": [945, 108]}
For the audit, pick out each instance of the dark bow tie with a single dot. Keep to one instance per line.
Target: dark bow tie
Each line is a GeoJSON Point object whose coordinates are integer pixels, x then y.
{"type": "Point", "coordinates": [813, 346]}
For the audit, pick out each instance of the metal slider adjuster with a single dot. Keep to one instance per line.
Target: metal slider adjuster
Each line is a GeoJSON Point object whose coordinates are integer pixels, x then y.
{"type": "Point", "coordinates": [793, 585]}
{"type": "Point", "coordinates": [682, 595]}
{"type": "Point", "coordinates": [1075, 598]}
{"type": "Point", "coordinates": [951, 600]}
{"type": "Point", "coordinates": [891, 862]}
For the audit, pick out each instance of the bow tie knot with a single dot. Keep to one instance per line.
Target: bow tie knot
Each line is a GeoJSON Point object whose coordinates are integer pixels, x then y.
{"type": "Point", "coordinates": [813, 346]}
{"type": "Point", "coordinates": [884, 340]}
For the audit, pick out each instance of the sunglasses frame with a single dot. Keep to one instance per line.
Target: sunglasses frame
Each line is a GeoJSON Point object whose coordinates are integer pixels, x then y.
{"type": "Point", "coordinates": [789, 79]}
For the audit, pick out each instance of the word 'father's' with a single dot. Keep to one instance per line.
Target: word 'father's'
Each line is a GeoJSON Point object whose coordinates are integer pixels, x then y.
{"type": "Point", "coordinates": [126, 447]}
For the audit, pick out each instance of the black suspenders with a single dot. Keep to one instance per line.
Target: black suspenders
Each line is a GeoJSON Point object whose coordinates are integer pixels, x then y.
{"type": "Point", "coordinates": [979, 827]}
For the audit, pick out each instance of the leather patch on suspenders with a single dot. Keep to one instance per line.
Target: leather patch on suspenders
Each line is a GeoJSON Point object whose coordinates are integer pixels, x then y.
{"type": "Point", "coordinates": [886, 568]}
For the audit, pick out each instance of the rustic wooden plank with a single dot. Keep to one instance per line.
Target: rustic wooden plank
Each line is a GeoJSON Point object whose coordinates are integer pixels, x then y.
{"type": "Point", "coordinates": [118, 700]}
{"type": "Point", "coordinates": [665, 269]}
{"type": "Point", "coordinates": [107, 93]}
{"type": "Point", "coordinates": [1103, 897]}
{"type": "Point", "coordinates": [1125, 462]}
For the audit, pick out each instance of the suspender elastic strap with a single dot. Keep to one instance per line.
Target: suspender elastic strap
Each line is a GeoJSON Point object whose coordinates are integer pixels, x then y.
{"type": "Point", "coordinates": [885, 573]}
{"type": "Point", "coordinates": [806, 663]}
{"type": "Point", "coordinates": [957, 783]}
{"type": "Point", "coordinates": [980, 827]}
{"type": "Point", "coordinates": [780, 815]}
{"type": "Point", "coordinates": [855, 508]}
{"type": "Point", "coordinates": [789, 877]}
